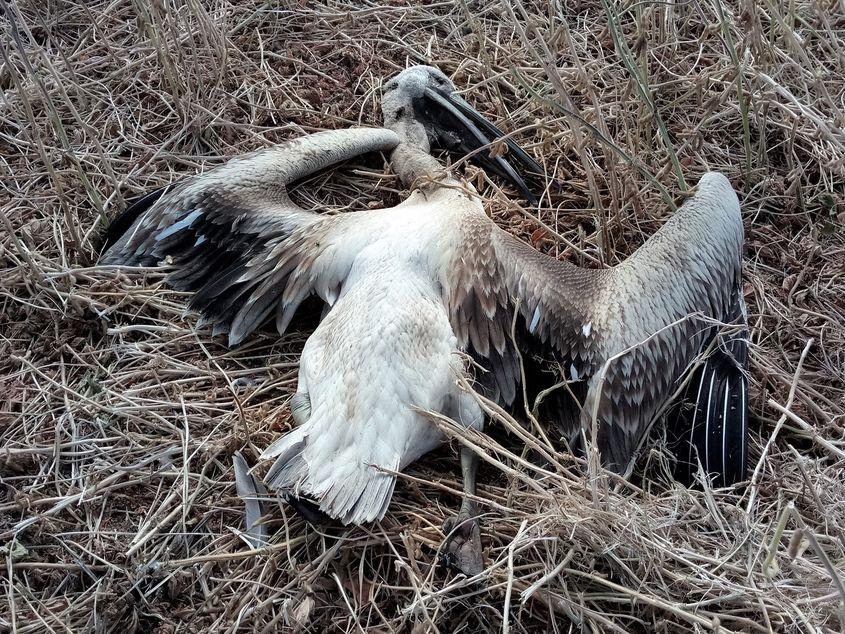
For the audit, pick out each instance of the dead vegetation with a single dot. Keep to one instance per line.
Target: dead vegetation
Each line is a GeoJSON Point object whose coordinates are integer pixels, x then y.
{"type": "Point", "coordinates": [119, 420]}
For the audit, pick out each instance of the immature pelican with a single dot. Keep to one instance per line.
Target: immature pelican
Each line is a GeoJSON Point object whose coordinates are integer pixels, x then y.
{"type": "Point", "coordinates": [412, 287]}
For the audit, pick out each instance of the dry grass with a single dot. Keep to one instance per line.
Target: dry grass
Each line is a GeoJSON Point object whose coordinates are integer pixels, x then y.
{"type": "Point", "coordinates": [119, 419]}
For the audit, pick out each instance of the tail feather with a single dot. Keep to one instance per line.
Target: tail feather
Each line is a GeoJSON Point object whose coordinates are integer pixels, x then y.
{"type": "Point", "coordinates": [374, 498]}
{"type": "Point", "coordinates": [352, 492]}
{"type": "Point", "coordinates": [290, 466]}
{"type": "Point", "coordinates": [363, 496]}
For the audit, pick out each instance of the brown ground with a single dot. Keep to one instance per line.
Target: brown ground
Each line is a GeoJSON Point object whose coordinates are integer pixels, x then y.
{"type": "Point", "coordinates": [119, 419]}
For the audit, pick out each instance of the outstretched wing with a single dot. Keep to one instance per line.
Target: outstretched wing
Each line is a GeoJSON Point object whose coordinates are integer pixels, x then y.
{"type": "Point", "coordinates": [632, 331]}
{"type": "Point", "coordinates": [668, 300]}
{"type": "Point", "coordinates": [233, 234]}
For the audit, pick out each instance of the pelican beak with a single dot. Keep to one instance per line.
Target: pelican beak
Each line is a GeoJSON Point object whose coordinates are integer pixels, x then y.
{"type": "Point", "coordinates": [456, 126]}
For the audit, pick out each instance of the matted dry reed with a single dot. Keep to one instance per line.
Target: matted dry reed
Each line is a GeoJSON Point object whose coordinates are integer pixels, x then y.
{"type": "Point", "coordinates": [120, 418]}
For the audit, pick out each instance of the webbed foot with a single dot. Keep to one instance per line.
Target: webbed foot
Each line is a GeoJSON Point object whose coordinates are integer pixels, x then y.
{"type": "Point", "coordinates": [462, 547]}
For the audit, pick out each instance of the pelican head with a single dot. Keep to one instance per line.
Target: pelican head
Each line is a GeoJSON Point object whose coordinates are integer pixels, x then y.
{"type": "Point", "coordinates": [422, 106]}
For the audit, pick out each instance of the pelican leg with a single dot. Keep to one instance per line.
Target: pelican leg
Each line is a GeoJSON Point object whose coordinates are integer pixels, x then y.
{"type": "Point", "coordinates": [462, 548]}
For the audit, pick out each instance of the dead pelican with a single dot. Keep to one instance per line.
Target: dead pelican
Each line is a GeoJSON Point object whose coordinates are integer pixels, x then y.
{"type": "Point", "coordinates": [411, 287]}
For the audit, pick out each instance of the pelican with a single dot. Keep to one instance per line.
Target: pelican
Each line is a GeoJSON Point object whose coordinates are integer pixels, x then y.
{"type": "Point", "coordinates": [413, 291]}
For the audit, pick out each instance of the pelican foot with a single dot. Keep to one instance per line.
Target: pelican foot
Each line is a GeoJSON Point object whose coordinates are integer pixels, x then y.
{"type": "Point", "coordinates": [462, 547]}
{"type": "Point", "coordinates": [309, 511]}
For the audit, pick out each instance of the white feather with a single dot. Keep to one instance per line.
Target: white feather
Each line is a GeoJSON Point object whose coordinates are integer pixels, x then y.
{"type": "Point", "coordinates": [385, 350]}
{"type": "Point", "coordinates": [186, 222]}
{"type": "Point", "coordinates": [534, 320]}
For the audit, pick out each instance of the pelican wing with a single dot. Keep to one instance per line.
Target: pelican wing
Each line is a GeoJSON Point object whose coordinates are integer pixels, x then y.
{"type": "Point", "coordinates": [633, 331]}
{"type": "Point", "coordinates": [234, 228]}
{"type": "Point", "coordinates": [556, 299]}
{"type": "Point", "coordinates": [313, 259]}
{"type": "Point", "coordinates": [710, 425]}
{"type": "Point", "coordinates": [667, 304]}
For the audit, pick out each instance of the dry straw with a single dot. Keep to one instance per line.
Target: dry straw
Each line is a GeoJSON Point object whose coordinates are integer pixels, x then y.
{"type": "Point", "coordinates": [120, 420]}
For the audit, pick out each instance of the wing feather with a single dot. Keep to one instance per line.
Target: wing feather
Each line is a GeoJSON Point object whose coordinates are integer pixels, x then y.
{"type": "Point", "coordinates": [633, 331]}
{"type": "Point", "coordinates": [713, 430]}
{"type": "Point", "coordinates": [234, 236]}
{"type": "Point", "coordinates": [669, 298]}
